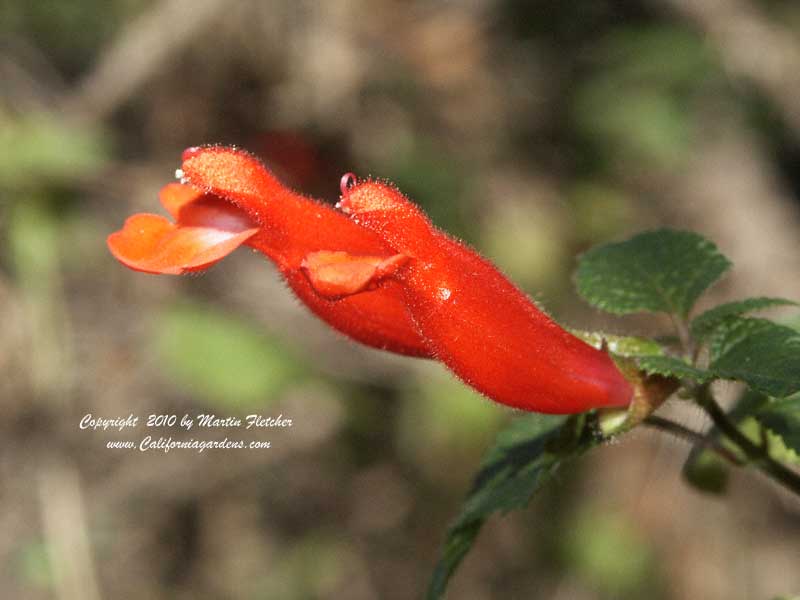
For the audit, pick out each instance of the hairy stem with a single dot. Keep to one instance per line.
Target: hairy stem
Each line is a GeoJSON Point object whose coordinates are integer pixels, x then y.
{"type": "Point", "coordinates": [757, 455]}
{"type": "Point", "coordinates": [696, 438]}
{"type": "Point", "coordinates": [690, 349]}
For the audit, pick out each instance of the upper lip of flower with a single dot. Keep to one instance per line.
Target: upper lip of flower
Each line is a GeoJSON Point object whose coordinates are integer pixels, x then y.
{"type": "Point", "coordinates": [359, 200]}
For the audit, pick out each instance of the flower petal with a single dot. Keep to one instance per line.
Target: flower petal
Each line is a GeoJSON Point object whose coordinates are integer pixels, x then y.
{"type": "Point", "coordinates": [337, 274]}
{"type": "Point", "coordinates": [150, 243]}
{"type": "Point", "coordinates": [235, 175]}
{"type": "Point", "coordinates": [191, 207]}
{"type": "Point", "coordinates": [174, 196]}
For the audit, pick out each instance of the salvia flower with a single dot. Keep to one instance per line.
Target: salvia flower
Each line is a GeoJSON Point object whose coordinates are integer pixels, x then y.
{"type": "Point", "coordinates": [227, 198]}
{"type": "Point", "coordinates": [381, 273]}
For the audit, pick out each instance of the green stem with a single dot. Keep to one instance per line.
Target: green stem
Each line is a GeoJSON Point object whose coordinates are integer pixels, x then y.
{"type": "Point", "coordinates": [682, 329]}
{"type": "Point", "coordinates": [757, 455]}
{"type": "Point", "coordinates": [698, 439]}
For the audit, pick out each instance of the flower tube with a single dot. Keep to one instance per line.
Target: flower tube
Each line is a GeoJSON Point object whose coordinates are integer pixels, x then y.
{"type": "Point", "coordinates": [478, 323]}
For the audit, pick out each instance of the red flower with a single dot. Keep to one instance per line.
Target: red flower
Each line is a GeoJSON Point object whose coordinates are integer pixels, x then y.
{"type": "Point", "coordinates": [385, 277]}
{"type": "Point", "coordinates": [477, 322]}
{"type": "Point", "coordinates": [230, 200]}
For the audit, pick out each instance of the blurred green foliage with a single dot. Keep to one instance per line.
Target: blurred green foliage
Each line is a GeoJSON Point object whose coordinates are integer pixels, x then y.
{"type": "Point", "coordinates": [34, 565]}
{"type": "Point", "coordinates": [34, 241]}
{"type": "Point", "coordinates": [314, 567]}
{"type": "Point", "coordinates": [42, 148]}
{"type": "Point", "coordinates": [535, 261]}
{"type": "Point", "coordinates": [707, 472]}
{"type": "Point", "coordinates": [435, 179]}
{"type": "Point", "coordinates": [607, 552]}
{"type": "Point", "coordinates": [600, 210]}
{"type": "Point", "coordinates": [636, 105]}
{"type": "Point", "coordinates": [223, 360]}
{"type": "Point", "coordinates": [441, 419]}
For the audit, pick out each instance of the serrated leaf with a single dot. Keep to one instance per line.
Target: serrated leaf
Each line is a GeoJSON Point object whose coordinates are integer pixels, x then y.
{"type": "Point", "coordinates": [669, 366]}
{"type": "Point", "coordinates": [760, 434]}
{"type": "Point", "coordinates": [621, 345]}
{"type": "Point", "coordinates": [761, 353]}
{"type": "Point", "coordinates": [523, 459]}
{"type": "Point", "coordinates": [782, 417]}
{"type": "Point", "coordinates": [705, 324]}
{"type": "Point", "coordinates": [656, 271]}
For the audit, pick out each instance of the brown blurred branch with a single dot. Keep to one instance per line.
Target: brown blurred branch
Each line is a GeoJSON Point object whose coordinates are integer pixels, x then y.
{"type": "Point", "coordinates": [140, 51]}
{"type": "Point", "coordinates": [66, 532]}
{"type": "Point", "coordinates": [764, 53]}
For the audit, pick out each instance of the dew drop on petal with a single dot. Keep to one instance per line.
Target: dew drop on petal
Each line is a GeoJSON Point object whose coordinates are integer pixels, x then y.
{"type": "Point", "coordinates": [348, 181]}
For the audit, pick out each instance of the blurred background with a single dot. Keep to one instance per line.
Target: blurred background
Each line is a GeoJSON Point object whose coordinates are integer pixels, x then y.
{"type": "Point", "coordinates": [530, 129]}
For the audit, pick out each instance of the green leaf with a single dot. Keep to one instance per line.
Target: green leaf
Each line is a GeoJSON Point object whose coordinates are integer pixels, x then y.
{"type": "Point", "coordinates": [705, 324]}
{"type": "Point", "coordinates": [670, 366]}
{"type": "Point", "coordinates": [761, 353]}
{"type": "Point", "coordinates": [621, 345]}
{"type": "Point", "coordinates": [656, 271]}
{"type": "Point", "coordinates": [523, 459]}
{"type": "Point", "coordinates": [760, 434]}
{"type": "Point", "coordinates": [782, 417]}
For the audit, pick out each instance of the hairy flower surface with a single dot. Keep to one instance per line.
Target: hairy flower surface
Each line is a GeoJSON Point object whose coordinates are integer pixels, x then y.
{"type": "Point", "coordinates": [229, 199]}
{"type": "Point", "coordinates": [378, 271]}
{"type": "Point", "coordinates": [480, 324]}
